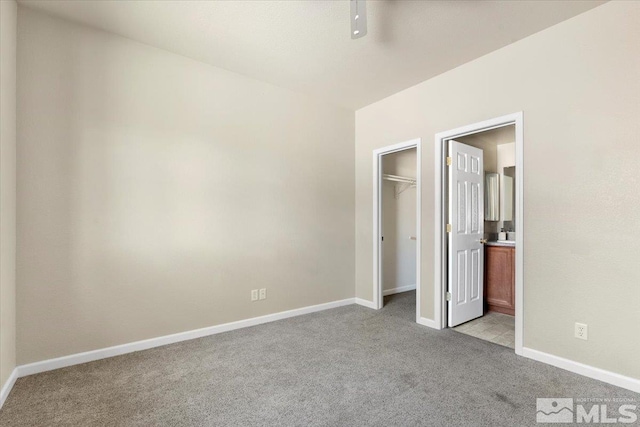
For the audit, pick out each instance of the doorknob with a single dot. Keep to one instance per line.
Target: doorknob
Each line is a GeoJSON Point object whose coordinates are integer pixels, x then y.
{"type": "Point", "coordinates": [483, 241]}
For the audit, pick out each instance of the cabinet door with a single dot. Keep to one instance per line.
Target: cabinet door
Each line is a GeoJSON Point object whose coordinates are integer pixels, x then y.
{"type": "Point", "coordinates": [499, 279]}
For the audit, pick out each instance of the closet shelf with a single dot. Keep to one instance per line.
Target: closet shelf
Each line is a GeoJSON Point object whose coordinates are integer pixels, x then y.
{"type": "Point", "coordinates": [405, 183]}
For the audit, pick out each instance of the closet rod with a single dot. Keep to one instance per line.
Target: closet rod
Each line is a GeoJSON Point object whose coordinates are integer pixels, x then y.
{"type": "Point", "coordinates": [398, 178]}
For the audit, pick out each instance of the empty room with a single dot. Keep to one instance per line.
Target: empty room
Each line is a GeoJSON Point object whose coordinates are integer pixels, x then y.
{"type": "Point", "coordinates": [323, 212]}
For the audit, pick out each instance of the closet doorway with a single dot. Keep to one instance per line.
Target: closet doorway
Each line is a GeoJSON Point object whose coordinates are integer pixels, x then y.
{"type": "Point", "coordinates": [397, 221]}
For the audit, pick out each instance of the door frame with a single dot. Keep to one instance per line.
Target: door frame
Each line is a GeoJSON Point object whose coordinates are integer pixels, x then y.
{"type": "Point", "coordinates": [377, 217]}
{"type": "Point", "coordinates": [440, 235]}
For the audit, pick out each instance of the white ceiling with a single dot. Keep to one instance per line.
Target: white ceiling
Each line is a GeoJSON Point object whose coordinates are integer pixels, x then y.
{"type": "Point", "coordinates": [306, 45]}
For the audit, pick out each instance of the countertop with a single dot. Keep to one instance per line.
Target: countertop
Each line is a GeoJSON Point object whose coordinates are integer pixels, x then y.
{"type": "Point", "coordinates": [507, 243]}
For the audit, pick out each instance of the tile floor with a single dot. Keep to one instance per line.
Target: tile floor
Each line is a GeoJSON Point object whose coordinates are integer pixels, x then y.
{"type": "Point", "coordinates": [495, 327]}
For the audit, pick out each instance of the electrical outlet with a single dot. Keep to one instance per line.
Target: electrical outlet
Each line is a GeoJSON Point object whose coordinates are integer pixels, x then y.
{"type": "Point", "coordinates": [263, 293]}
{"type": "Point", "coordinates": [582, 331]}
{"type": "Point", "coordinates": [254, 295]}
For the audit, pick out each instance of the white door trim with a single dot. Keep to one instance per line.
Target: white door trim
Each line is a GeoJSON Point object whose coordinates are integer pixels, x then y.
{"type": "Point", "coordinates": [440, 276]}
{"type": "Point", "coordinates": [377, 223]}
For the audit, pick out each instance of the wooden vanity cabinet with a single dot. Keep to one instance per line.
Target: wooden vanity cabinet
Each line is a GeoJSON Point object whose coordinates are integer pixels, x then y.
{"type": "Point", "coordinates": [499, 279]}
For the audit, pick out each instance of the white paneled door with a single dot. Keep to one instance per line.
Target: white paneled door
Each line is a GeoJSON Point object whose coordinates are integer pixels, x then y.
{"type": "Point", "coordinates": [466, 217]}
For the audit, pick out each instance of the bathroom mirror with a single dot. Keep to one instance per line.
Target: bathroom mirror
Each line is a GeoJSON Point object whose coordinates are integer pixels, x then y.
{"type": "Point", "coordinates": [491, 196]}
{"type": "Point", "coordinates": [508, 198]}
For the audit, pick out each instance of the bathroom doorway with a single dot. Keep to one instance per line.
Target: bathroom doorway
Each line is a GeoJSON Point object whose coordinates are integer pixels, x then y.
{"type": "Point", "coordinates": [478, 235]}
{"type": "Point", "coordinates": [496, 246]}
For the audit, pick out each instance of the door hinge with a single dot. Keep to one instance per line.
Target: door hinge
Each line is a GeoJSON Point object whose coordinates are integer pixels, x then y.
{"type": "Point", "coordinates": [448, 296]}
{"type": "Point", "coordinates": [448, 228]}
{"type": "Point", "coordinates": [448, 161]}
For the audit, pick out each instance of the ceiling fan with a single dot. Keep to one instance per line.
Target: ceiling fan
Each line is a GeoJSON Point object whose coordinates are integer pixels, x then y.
{"type": "Point", "coordinates": [358, 18]}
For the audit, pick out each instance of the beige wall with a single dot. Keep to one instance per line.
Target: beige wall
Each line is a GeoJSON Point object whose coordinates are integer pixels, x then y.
{"type": "Point", "coordinates": [578, 86]}
{"type": "Point", "coordinates": [8, 22]}
{"type": "Point", "coordinates": [399, 222]}
{"type": "Point", "coordinates": [154, 192]}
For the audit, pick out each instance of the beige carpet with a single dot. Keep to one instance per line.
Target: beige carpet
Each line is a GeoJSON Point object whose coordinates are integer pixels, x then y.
{"type": "Point", "coordinates": [350, 366]}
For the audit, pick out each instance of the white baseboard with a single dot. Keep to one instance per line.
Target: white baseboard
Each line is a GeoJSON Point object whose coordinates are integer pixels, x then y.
{"type": "Point", "coordinates": [399, 289]}
{"type": "Point", "coordinates": [8, 385]}
{"type": "Point", "coordinates": [427, 322]}
{"type": "Point", "coordinates": [90, 356]}
{"type": "Point", "coordinates": [582, 369]}
{"type": "Point", "coordinates": [365, 303]}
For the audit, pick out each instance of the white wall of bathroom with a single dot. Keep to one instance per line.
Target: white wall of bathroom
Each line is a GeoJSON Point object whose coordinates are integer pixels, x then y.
{"type": "Point", "coordinates": [399, 223]}
{"type": "Point", "coordinates": [506, 156]}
